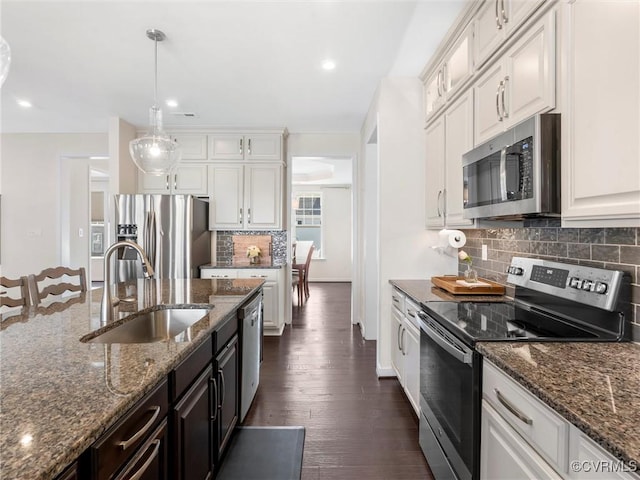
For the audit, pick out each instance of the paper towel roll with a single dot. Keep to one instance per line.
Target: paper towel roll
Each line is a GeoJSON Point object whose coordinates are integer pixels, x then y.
{"type": "Point", "coordinates": [452, 238]}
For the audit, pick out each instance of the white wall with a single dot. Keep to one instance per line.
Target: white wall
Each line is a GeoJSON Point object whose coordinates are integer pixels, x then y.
{"type": "Point", "coordinates": [404, 242]}
{"type": "Point", "coordinates": [335, 266]}
{"type": "Point", "coordinates": [323, 144]}
{"type": "Point", "coordinates": [31, 216]}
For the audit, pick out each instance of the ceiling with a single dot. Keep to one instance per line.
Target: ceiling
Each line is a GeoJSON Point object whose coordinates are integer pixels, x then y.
{"type": "Point", "coordinates": [231, 63]}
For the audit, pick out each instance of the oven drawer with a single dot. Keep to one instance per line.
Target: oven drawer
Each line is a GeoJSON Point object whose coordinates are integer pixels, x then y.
{"type": "Point", "coordinates": [544, 429]}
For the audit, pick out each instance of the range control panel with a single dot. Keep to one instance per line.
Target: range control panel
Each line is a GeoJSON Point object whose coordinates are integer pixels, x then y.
{"type": "Point", "coordinates": [592, 286]}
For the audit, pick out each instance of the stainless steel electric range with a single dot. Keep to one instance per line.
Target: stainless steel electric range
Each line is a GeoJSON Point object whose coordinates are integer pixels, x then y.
{"type": "Point", "coordinates": [553, 302]}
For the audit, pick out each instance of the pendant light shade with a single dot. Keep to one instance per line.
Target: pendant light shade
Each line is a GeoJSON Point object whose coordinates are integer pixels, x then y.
{"type": "Point", "coordinates": [155, 153]}
{"type": "Point", "coordinates": [5, 59]}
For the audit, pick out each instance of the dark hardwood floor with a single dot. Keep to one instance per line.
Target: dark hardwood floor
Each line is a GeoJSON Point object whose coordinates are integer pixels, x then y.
{"type": "Point", "coordinates": [321, 374]}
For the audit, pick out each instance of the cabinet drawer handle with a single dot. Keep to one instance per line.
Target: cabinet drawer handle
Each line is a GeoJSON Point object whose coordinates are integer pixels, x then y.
{"type": "Point", "coordinates": [222, 387]}
{"type": "Point", "coordinates": [249, 215]}
{"type": "Point", "coordinates": [444, 78]}
{"type": "Point", "coordinates": [127, 443]}
{"type": "Point", "coordinates": [399, 335]}
{"type": "Point", "coordinates": [411, 314]}
{"type": "Point", "coordinates": [240, 215]}
{"type": "Point", "coordinates": [512, 408]}
{"type": "Point", "coordinates": [167, 182]}
{"type": "Point", "coordinates": [241, 147]}
{"type": "Point", "coordinates": [402, 340]}
{"type": "Point", "coordinates": [396, 299]}
{"type": "Point", "coordinates": [249, 147]}
{"type": "Point", "coordinates": [175, 181]}
{"type": "Point", "coordinates": [498, 100]}
{"type": "Point", "coordinates": [498, 24]}
{"type": "Point", "coordinates": [438, 203]}
{"type": "Point", "coordinates": [505, 19]}
{"type": "Point", "coordinates": [214, 408]}
{"type": "Point", "coordinates": [145, 465]}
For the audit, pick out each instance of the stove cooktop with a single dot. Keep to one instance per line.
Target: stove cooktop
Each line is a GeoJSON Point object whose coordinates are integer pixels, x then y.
{"type": "Point", "coordinates": [474, 322]}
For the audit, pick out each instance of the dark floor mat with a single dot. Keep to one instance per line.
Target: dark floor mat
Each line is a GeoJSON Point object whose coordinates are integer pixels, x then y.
{"type": "Point", "coordinates": [264, 453]}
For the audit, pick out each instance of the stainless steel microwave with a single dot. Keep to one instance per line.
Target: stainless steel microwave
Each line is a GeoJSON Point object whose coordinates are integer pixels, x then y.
{"type": "Point", "coordinates": [516, 174]}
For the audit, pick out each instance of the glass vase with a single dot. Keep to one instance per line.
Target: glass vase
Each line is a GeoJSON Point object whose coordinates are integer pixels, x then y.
{"type": "Point", "coordinates": [470, 275]}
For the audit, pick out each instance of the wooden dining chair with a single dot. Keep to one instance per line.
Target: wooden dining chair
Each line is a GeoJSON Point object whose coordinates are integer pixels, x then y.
{"type": "Point", "coordinates": [20, 290]}
{"type": "Point", "coordinates": [41, 285]}
{"type": "Point", "coordinates": [302, 271]}
{"type": "Point", "coordinates": [298, 285]}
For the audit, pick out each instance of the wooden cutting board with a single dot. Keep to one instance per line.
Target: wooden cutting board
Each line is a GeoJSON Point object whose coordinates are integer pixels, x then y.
{"type": "Point", "coordinates": [450, 284]}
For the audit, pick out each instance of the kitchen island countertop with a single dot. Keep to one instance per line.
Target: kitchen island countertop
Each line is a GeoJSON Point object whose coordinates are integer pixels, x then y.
{"type": "Point", "coordinates": [59, 394]}
{"type": "Point", "coordinates": [595, 386]}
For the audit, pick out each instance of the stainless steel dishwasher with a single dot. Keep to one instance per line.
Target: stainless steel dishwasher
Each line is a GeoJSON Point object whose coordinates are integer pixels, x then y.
{"type": "Point", "coordinates": [250, 316]}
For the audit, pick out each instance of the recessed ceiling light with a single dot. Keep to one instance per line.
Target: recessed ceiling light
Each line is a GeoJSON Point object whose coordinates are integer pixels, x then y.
{"type": "Point", "coordinates": [328, 64]}
{"type": "Point", "coordinates": [172, 103]}
{"type": "Point", "coordinates": [24, 103]}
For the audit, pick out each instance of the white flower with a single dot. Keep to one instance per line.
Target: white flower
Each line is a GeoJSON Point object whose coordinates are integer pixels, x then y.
{"type": "Point", "coordinates": [464, 256]}
{"type": "Point", "coordinates": [253, 251]}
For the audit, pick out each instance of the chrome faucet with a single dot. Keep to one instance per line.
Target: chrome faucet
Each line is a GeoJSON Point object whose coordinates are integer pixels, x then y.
{"type": "Point", "coordinates": [108, 302]}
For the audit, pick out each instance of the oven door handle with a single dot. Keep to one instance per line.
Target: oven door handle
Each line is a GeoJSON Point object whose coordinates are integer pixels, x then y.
{"type": "Point", "coordinates": [463, 357]}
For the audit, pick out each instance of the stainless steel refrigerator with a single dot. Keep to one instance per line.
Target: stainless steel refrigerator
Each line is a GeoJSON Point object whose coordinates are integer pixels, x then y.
{"type": "Point", "coordinates": [172, 229]}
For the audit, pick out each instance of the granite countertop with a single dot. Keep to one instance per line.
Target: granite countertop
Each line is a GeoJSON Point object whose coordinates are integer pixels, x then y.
{"type": "Point", "coordinates": [244, 264]}
{"type": "Point", "coordinates": [59, 395]}
{"type": "Point", "coordinates": [596, 386]}
{"type": "Point", "coordinates": [423, 291]}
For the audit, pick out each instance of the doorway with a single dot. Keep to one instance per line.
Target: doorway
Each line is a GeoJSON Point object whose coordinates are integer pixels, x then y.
{"type": "Point", "coordinates": [321, 199]}
{"type": "Point", "coordinates": [84, 213]}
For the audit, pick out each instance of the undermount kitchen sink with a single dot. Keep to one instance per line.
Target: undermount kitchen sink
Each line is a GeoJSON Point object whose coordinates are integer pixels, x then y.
{"type": "Point", "coordinates": [154, 326]}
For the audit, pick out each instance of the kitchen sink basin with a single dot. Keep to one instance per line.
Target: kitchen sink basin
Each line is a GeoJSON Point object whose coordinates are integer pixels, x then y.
{"type": "Point", "coordinates": [154, 326]}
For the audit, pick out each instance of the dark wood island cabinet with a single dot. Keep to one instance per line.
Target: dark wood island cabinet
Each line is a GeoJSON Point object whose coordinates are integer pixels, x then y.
{"type": "Point", "coordinates": [159, 410]}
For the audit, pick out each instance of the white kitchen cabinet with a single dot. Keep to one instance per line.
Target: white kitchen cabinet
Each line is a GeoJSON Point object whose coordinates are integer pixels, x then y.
{"type": "Point", "coordinates": [246, 196]}
{"type": "Point", "coordinates": [193, 146]}
{"type": "Point", "coordinates": [505, 455]}
{"type": "Point", "coordinates": [519, 84]}
{"type": "Point", "coordinates": [448, 138]}
{"type": "Point", "coordinates": [272, 289]}
{"type": "Point", "coordinates": [254, 147]}
{"type": "Point", "coordinates": [601, 116]}
{"type": "Point", "coordinates": [496, 21]}
{"type": "Point", "coordinates": [434, 182]}
{"type": "Point", "coordinates": [186, 179]}
{"type": "Point", "coordinates": [450, 75]}
{"type": "Point", "coordinates": [273, 300]}
{"type": "Point", "coordinates": [405, 354]}
{"type": "Point", "coordinates": [411, 347]}
{"type": "Point", "coordinates": [397, 361]}
{"type": "Point", "coordinates": [594, 462]}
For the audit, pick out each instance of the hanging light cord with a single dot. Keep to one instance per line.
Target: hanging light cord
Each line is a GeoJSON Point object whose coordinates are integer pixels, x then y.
{"type": "Point", "coordinates": [155, 79]}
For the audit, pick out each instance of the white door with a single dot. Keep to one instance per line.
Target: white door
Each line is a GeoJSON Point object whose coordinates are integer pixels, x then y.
{"type": "Point", "coordinates": [600, 167]}
{"type": "Point", "coordinates": [263, 196]}
{"type": "Point", "coordinates": [397, 360]}
{"type": "Point", "coordinates": [411, 346]}
{"type": "Point", "coordinates": [154, 183]}
{"type": "Point", "coordinates": [190, 179]}
{"type": "Point", "coordinates": [487, 96]}
{"type": "Point", "coordinates": [270, 304]}
{"type": "Point", "coordinates": [435, 137]}
{"type": "Point", "coordinates": [226, 188]}
{"type": "Point", "coordinates": [226, 147]}
{"type": "Point", "coordinates": [458, 140]}
{"type": "Point", "coordinates": [517, 11]}
{"type": "Point", "coordinates": [488, 30]}
{"type": "Point", "coordinates": [192, 146]}
{"type": "Point", "coordinates": [530, 68]}
{"type": "Point", "coordinates": [263, 147]}
{"type": "Point", "coordinates": [504, 455]}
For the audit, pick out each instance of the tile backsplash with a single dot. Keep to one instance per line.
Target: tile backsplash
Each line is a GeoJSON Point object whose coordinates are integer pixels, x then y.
{"type": "Point", "coordinates": [225, 248]}
{"type": "Point", "coordinates": [612, 248]}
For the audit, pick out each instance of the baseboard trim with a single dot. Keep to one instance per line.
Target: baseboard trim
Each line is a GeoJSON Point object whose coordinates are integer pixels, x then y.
{"type": "Point", "coordinates": [385, 372]}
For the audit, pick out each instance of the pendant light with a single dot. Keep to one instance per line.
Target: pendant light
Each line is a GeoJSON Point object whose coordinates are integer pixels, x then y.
{"type": "Point", "coordinates": [5, 59]}
{"type": "Point", "coordinates": [155, 153]}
